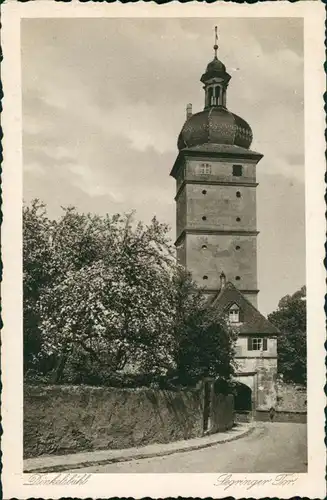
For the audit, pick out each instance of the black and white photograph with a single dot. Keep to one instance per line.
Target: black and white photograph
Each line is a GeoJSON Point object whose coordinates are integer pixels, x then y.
{"type": "Point", "coordinates": [169, 291]}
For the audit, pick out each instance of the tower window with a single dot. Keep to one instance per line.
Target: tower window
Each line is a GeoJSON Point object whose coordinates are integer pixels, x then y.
{"type": "Point", "coordinates": [238, 194]}
{"type": "Point", "coordinates": [204, 191]}
{"type": "Point", "coordinates": [237, 278]}
{"type": "Point", "coordinates": [237, 247]}
{"type": "Point", "coordinates": [204, 218]}
{"type": "Point", "coordinates": [210, 92]}
{"type": "Point", "coordinates": [205, 277]}
{"type": "Point", "coordinates": [204, 247]}
{"type": "Point", "coordinates": [238, 219]}
{"type": "Point", "coordinates": [205, 168]}
{"type": "Point", "coordinates": [237, 170]}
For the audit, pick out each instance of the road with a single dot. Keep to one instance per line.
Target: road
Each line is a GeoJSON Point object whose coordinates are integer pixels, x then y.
{"type": "Point", "coordinates": [271, 447]}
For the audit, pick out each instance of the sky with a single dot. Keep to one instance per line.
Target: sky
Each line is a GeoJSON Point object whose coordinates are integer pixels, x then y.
{"type": "Point", "coordinates": [104, 101]}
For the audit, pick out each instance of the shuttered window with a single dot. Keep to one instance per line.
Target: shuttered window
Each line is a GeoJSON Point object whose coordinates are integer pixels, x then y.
{"type": "Point", "coordinates": [257, 344]}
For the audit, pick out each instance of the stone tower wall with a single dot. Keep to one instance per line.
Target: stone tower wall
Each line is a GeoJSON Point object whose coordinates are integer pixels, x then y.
{"type": "Point", "coordinates": [216, 222]}
{"type": "Point", "coordinates": [207, 255]}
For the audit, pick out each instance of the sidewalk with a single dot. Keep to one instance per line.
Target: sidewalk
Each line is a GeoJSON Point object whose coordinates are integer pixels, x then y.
{"type": "Point", "coordinates": [59, 463]}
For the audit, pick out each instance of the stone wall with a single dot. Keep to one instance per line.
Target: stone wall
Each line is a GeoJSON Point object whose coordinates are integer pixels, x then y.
{"type": "Point", "coordinates": [222, 413]}
{"type": "Point", "coordinates": [66, 419]}
{"type": "Point", "coordinates": [181, 212]}
{"type": "Point", "coordinates": [221, 205]}
{"type": "Point", "coordinates": [208, 253]}
{"type": "Point", "coordinates": [291, 397]}
{"type": "Point", "coordinates": [263, 381]}
{"type": "Point", "coordinates": [299, 417]}
{"type": "Point", "coordinates": [221, 170]}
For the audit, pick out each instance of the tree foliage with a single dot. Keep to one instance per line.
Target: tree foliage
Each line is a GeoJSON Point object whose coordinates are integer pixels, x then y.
{"type": "Point", "coordinates": [290, 318]}
{"type": "Point", "coordinates": [103, 295]}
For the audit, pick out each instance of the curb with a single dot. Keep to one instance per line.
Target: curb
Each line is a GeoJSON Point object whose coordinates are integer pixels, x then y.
{"type": "Point", "coordinates": [110, 460]}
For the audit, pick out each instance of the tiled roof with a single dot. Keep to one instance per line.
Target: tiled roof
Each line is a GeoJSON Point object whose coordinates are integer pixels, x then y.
{"type": "Point", "coordinates": [252, 321]}
{"type": "Point", "coordinates": [215, 125]}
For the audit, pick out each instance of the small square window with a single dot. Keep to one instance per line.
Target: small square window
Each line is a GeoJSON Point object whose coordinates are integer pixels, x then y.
{"type": "Point", "coordinates": [256, 344]}
{"type": "Point", "coordinates": [237, 170]}
{"type": "Point", "coordinates": [205, 168]}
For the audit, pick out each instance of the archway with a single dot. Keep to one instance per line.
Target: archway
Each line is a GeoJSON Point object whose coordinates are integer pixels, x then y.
{"type": "Point", "coordinates": [242, 397]}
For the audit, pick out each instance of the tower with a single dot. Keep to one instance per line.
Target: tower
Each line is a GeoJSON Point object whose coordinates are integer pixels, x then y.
{"type": "Point", "coordinates": [215, 174]}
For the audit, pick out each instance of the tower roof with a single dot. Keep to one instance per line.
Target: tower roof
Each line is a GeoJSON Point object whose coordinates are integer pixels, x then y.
{"type": "Point", "coordinates": [215, 67]}
{"type": "Point", "coordinates": [215, 125]}
{"type": "Point", "coordinates": [253, 321]}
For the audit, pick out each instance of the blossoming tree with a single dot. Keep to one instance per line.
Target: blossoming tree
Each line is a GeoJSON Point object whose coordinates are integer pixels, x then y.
{"type": "Point", "coordinates": [105, 294]}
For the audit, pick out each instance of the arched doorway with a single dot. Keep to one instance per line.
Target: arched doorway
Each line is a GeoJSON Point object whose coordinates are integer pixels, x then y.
{"type": "Point", "coordinates": [242, 398]}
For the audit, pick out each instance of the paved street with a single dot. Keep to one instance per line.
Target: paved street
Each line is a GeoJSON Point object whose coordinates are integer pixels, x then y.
{"type": "Point", "coordinates": [277, 447]}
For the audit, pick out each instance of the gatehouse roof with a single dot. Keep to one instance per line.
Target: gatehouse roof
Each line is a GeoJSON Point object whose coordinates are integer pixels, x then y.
{"type": "Point", "coordinates": [252, 321]}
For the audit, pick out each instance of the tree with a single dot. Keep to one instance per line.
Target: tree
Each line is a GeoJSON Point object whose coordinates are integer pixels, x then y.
{"type": "Point", "coordinates": [204, 340]}
{"type": "Point", "coordinates": [290, 319]}
{"type": "Point", "coordinates": [36, 275]}
{"type": "Point", "coordinates": [109, 296]}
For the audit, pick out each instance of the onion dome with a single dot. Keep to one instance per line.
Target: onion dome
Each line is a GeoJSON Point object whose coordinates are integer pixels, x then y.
{"type": "Point", "coordinates": [215, 125]}
{"type": "Point", "coordinates": [215, 66]}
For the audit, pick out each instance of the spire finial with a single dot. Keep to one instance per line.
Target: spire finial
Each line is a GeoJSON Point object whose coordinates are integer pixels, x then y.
{"type": "Point", "coordinates": [215, 47]}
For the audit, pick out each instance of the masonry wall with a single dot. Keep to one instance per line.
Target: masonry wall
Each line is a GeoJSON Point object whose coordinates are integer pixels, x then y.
{"type": "Point", "coordinates": [181, 212]}
{"type": "Point", "coordinates": [291, 397]}
{"type": "Point", "coordinates": [221, 170]}
{"type": "Point", "coordinates": [222, 413]}
{"type": "Point", "coordinates": [263, 382]}
{"type": "Point", "coordinates": [267, 375]}
{"type": "Point", "coordinates": [297, 417]}
{"type": "Point", "coordinates": [291, 404]}
{"type": "Point", "coordinates": [243, 352]}
{"type": "Point", "coordinates": [209, 254]}
{"type": "Point", "coordinates": [221, 206]}
{"type": "Point", "coordinates": [66, 419]}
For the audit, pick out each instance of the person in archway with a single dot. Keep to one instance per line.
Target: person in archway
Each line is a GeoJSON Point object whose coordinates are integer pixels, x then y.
{"type": "Point", "coordinates": [272, 412]}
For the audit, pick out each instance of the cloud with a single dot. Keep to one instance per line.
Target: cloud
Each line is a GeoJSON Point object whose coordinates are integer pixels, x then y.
{"type": "Point", "coordinates": [34, 168]}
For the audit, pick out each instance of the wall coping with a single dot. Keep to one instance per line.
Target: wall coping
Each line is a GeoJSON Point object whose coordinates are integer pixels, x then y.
{"type": "Point", "coordinates": [277, 410]}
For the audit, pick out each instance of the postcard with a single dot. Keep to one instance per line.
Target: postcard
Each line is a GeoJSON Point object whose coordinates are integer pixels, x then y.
{"type": "Point", "coordinates": [162, 246]}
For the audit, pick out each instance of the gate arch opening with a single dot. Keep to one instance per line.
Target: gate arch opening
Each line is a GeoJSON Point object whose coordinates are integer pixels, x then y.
{"type": "Point", "coordinates": [242, 397]}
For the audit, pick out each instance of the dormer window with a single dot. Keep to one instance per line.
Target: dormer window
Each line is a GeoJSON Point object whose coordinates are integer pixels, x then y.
{"type": "Point", "coordinates": [234, 314]}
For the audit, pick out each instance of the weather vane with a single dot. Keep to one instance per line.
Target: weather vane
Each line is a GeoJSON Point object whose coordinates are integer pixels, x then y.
{"type": "Point", "coordinates": [216, 42]}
